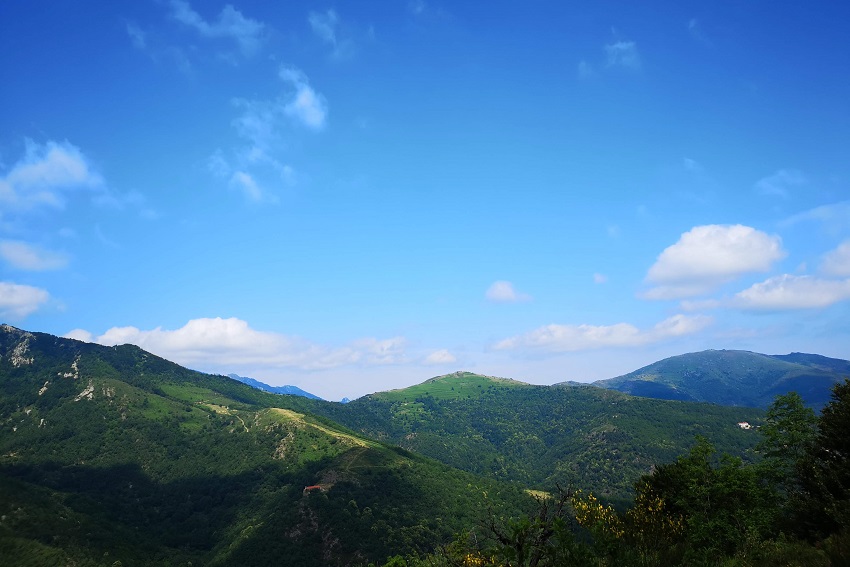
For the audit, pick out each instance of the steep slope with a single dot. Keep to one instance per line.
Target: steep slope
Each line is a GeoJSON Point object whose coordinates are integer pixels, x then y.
{"type": "Point", "coordinates": [588, 437]}
{"type": "Point", "coordinates": [113, 454]}
{"type": "Point", "coordinates": [734, 377]}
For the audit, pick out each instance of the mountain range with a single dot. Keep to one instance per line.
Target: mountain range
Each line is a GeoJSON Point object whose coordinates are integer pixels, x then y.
{"type": "Point", "coordinates": [734, 377]}
{"type": "Point", "coordinates": [112, 454]}
{"type": "Point", "coordinates": [291, 390]}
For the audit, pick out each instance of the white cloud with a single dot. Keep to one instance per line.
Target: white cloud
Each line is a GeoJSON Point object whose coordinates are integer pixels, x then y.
{"type": "Point", "coordinates": [708, 256]}
{"type": "Point", "coordinates": [695, 29]}
{"type": "Point", "coordinates": [599, 278]}
{"type": "Point", "coordinates": [23, 256]}
{"type": "Point", "coordinates": [247, 185]}
{"type": "Point", "coordinates": [780, 183]}
{"type": "Point", "coordinates": [80, 335]}
{"type": "Point", "coordinates": [585, 70]}
{"type": "Point", "coordinates": [623, 54]}
{"type": "Point", "coordinates": [44, 172]}
{"type": "Point", "coordinates": [835, 217]}
{"type": "Point", "coordinates": [787, 292]}
{"type": "Point", "coordinates": [256, 166]}
{"type": "Point", "coordinates": [504, 292]}
{"type": "Point", "coordinates": [17, 300]}
{"type": "Point", "coordinates": [441, 356]}
{"type": "Point", "coordinates": [837, 262]}
{"type": "Point", "coordinates": [570, 338]}
{"type": "Point", "coordinates": [381, 351]}
{"type": "Point", "coordinates": [230, 345]}
{"type": "Point", "coordinates": [231, 24]}
{"type": "Point", "coordinates": [306, 105]}
{"type": "Point", "coordinates": [324, 25]}
{"type": "Point", "coordinates": [137, 36]}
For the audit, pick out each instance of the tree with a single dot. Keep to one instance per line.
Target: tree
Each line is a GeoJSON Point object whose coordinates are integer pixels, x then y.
{"type": "Point", "coordinates": [823, 503]}
{"type": "Point", "coordinates": [787, 435]}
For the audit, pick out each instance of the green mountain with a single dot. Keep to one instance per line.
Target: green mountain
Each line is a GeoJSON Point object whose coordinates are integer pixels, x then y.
{"type": "Point", "coordinates": [587, 437]}
{"type": "Point", "coordinates": [111, 455]}
{"type": "Point", "coordinates": [734, 377]}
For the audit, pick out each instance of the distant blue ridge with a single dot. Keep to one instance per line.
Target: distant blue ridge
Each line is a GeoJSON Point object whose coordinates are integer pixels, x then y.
{"type": "Point", "coordinates": [291, 390]}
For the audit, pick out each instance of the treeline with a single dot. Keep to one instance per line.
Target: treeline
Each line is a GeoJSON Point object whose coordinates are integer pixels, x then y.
{"type": "Point", "coordinates": [790, 507]}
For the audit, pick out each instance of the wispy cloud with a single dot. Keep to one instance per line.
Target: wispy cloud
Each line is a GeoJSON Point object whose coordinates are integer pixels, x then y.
{"type": "Point", "coordinates": [781, 183]}
{"type": "Point", "coordinates": [27, 257]}
{"type": "Point", "coordinates": [324, 25]}
{"type": "Point", "coordinates": [247, 33]}
{"type": "Point", "coordinates": [229, 345]}
{"type": "Point", "coordinates": [137, 36]}
{"type": "Point", "coordinates": [708, 256]}
{"type": "Point", "coordinates": [503, 292]}
{"type": "Point", "coordinates": [599, 278]}
{"type": "Point", "coordinates": [417, 7]}
{"type": "Point", "coordinates": [17, 300]}
{"type": "Point", "coordinates": [837, 262]}
{"type": "Point", "coordinates": [835, 217]}
{"type": "Point", "coordinates": [623, 54]}
{"type": "Point", "coordinates": [248, 186]}
{"type": "Point", "coordinates": [573, 338]}
{"type": "Point", "coordinates": [305, 105]}
{"type": "Point", "coordinates": [264, 126]}
{"type": "Point", "coordinates": [45, 173]}
{"type": "Point", "coordinates": [438, 357]}
{"type": "Point", "coordinates": [697, 33]}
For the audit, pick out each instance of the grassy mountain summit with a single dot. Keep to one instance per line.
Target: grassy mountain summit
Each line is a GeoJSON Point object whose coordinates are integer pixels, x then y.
{"type": "Point", "coordinates": [734, 377]}
{"type": "Point", "coordinates": [113, 454]}
{"type": "Point", "coordinates": [452, 386]}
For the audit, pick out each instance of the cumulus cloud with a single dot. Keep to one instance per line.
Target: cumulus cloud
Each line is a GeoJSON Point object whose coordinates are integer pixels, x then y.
{"type": "Point", "coordinates": [623, 54]}
{"type": "Point", "coordinates": [23, 256]}
{"type": "Point", "coordinates": [17, 300]}
{"type": "Point", "coordinates": [438, 357]}
{"type": "Point", "coordinates": [788, 292]}
{"type": "Point", "coordinates": [571, 338]}
{"type": "Point", "coordinates": [247, 33]}
{"type": "Point", "coordinates": [44, 173]}
{"type": "Point", "coordinates": [503, 292]}
{"type": "Point", "coordinates": [225, 345]}
{"type": "Point", "coordinates": [781, 183]}
{"type": "Point", "coordinates": [837, 262]}
{"type": "Point", "coordinates": [708, 256]}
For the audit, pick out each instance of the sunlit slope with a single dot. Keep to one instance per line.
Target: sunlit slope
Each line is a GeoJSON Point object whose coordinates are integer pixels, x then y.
{"type": "Point", "coordinates": [113, 454]}
{"type": "Point", "coordinates": [734, 377]}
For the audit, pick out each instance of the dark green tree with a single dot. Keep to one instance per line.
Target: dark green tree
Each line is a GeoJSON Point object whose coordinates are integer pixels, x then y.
{"type": "Point", "coordinates": [823, 503]}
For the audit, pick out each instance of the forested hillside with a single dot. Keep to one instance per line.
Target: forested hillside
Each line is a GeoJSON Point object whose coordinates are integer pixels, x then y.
{"type": "Point", "coordinates": [590, 437]}
{"type": "Point", "coordinates": [113, 454]}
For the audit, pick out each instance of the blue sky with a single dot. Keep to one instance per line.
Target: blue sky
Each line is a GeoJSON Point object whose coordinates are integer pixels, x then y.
{"type": "Point", "coordinates": [358, 196]}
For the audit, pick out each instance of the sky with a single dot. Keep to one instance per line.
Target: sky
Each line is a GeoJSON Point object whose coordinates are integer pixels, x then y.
{"type": "Point", "coordinates": [357, 196]}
